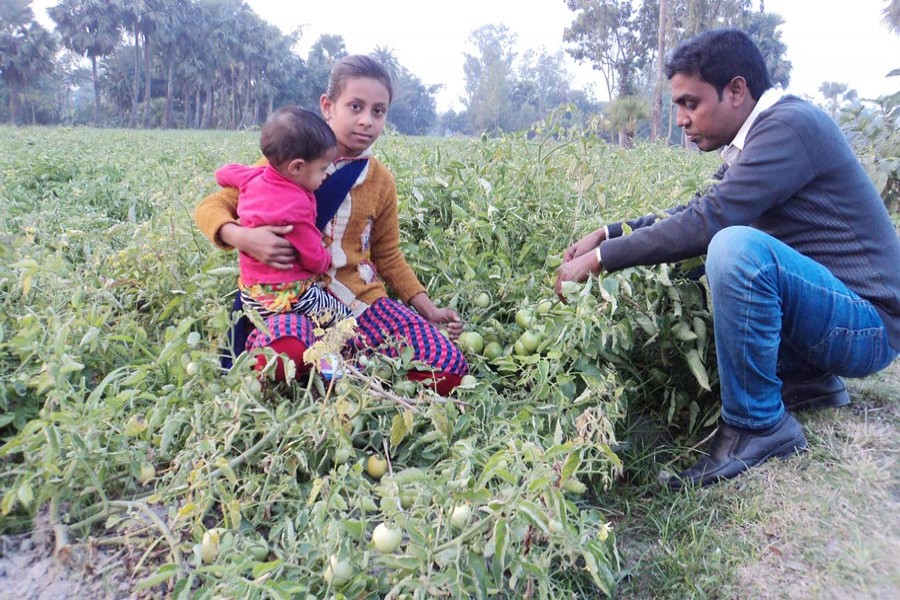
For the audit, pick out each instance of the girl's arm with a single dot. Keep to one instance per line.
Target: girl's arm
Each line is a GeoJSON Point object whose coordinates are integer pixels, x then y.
{"type": "Point", "coordinates": [385, 240]}
{"type": "Point", "coordinates": [447, 317]}
{"type": "Point", "coordinates": [397, 273]}
{"type": "Point", "coordinates": [216, 218]}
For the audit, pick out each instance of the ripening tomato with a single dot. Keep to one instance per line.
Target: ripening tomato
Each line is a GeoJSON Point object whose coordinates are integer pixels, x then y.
{"type": "Point", "coordinates": [376, 466]}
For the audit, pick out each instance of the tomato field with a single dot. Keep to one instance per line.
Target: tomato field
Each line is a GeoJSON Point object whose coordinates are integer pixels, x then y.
{"type": "Point", "coordinates": [117, 423]}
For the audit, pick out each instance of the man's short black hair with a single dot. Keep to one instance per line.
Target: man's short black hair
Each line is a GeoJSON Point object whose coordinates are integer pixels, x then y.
{"type": "Point", "coordinates": [720, 55]}
{"type": "Point", "coordinates": [293, 132]}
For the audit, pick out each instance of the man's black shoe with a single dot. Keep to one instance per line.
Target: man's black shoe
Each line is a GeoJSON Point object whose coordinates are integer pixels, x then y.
{"type": "Point", "coordinates": [733, 450]}
{"type": "Point", "coordinates": [823, 391]}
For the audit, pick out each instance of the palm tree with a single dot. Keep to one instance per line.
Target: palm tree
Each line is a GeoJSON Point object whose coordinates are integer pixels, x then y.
{"type": "Point", "coordinates": [26, 50]}
{"type": "Point", "coordinates": [656, 119]}
{"type": "Point", "coordinates": [388, 60]}
{"type": "Point", "coordinates": [177, 27]}
{"type": "Point", "coordinates": [625, 112]}
{"type": "Point", "coordinates": [89, 28]}
{"type": "Point", "coordinates": [832, 92]}
{"type": "Point", "coordinates": [891, 15]}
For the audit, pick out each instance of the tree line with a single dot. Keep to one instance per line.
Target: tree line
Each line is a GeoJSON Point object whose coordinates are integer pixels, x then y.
{"type": "Point", "coordinates": [216, 64]}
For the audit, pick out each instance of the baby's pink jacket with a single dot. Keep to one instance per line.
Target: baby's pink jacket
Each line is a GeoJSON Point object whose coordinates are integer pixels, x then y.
{"type": "Point", "coordinates": [266, 197]}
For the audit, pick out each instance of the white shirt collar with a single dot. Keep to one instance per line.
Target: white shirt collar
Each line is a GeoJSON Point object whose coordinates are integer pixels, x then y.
{"type": "Point", "coordinates": [765, 102]}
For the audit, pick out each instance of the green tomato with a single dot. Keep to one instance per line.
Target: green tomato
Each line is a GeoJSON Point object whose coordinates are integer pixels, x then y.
{"type": "Point", "coordinates": [531, 341]}
{"type": "Point", "coordinates": [524, 318]}
{"type": "Point", "coordinates": [342, 455]}
{"type": "Point", "coordinates": [259, 550]}
{"type": "Point", "coordinates": [482, 300]}
{"type": "Point", "coordinates": [460, 515]}
{"type": "Point", "coordinates": [519, 349]}
{"type": "Point", "coordinates": [493, 350]}
{"type": "Point", "coordinates": [192, 369]}
{"type": "Point", "coordinates": [405, 388]}
{"type": "Point", "coordinates": [471, 342]}
{"type": "Point", "coordinates": [386, 538]}
{"type": "Point", "coordinates": [338, 572]}
{"type": "Point", "coordinates": [407, 499]}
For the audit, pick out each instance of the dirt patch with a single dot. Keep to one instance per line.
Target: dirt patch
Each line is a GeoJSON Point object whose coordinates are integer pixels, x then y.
{"type": "Point", "coordinates": [32, 569]}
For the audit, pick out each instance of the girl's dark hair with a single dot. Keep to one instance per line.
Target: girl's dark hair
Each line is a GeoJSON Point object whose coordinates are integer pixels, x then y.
{"type": "Point", "coordinates": [357, 65]}
{"type": "Point", "coordinates": [293, 132]}
{"type": "Point", "coordinates": [720, 55]}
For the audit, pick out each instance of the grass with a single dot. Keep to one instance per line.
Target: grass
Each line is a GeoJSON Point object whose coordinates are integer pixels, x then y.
{"type": "Point", "coordinates": [823, 525]}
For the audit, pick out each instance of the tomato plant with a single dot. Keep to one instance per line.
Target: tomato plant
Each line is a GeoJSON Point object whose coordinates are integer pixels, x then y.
{"type": "Point", "coordinates": [113, 404]}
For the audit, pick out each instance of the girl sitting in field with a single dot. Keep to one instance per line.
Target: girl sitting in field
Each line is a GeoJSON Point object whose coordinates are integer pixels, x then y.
{"type": "Point", "coordinates": [299, 147]}
{"type": "Point", "coordinates": [363, 236]}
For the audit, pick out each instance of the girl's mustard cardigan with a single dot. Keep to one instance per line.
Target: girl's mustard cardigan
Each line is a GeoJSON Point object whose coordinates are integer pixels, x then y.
{"type": "Point", "coordinates": [363, 238]}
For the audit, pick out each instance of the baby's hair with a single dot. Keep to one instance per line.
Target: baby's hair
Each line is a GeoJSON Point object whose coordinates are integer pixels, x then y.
{"type": "Point", "coordinates": [293, 132]}
{"type": "Point", "coordinates": [353, 66]}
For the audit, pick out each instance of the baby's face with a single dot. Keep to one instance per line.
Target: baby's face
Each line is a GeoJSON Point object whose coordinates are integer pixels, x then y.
{"type": "Point", "coordinates": [313, 172]}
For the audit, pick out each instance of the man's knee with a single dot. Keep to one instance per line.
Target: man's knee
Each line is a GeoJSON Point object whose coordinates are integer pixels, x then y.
{"type": "Point", "coordinates": [733, 249]}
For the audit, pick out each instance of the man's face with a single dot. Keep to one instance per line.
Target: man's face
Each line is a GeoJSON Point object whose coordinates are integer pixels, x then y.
{"type": "Point", "coordinates": [707, 121]}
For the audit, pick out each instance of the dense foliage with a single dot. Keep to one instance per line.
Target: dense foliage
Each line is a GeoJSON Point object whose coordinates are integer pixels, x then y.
{"type": "Point", "coordinates": [116, 420]}
{"type": "Point", "coordinates": [873, 129]}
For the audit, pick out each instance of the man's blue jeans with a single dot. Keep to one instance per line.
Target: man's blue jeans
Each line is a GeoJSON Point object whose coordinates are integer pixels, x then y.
{"type": "Point", "coordinates": [777, 311]}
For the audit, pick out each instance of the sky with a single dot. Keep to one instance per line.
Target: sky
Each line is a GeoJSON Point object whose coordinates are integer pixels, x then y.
{"type": "Point", "coordinates": [837, 43]}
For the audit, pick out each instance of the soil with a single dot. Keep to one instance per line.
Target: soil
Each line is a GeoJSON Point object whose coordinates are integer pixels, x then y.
{"type": "Point", "coordinates": [30, 569]}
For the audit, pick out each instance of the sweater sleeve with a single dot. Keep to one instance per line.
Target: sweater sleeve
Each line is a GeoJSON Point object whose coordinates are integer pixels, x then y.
{"type": "Point", "coordinates": [773, 166]}
{"type": "Point", "coordinates": [214, 211]}
{"type": "Point", "coordinates": [219, 208]}
{"type": "Point", "coordinates": [386, 254]}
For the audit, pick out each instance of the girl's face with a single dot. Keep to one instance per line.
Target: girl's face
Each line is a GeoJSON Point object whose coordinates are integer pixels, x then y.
{"type": "Point", "coordinates": [357, 115]}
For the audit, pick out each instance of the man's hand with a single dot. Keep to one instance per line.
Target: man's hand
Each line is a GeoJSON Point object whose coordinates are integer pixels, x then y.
{"type": "Point", "coordinates": [584, 245]}
{"type": "Point", "coordinates": [578, 270]}
{"type": "Point", "coordinates": [266, 244]}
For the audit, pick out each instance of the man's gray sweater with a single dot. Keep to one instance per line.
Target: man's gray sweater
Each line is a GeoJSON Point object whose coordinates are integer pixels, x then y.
{"type": "Point", "coordinates": [798, 180]}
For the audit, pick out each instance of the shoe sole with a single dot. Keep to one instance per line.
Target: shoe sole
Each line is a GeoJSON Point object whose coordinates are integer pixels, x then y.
{"type": "Point", "coordinates": [786, 451]}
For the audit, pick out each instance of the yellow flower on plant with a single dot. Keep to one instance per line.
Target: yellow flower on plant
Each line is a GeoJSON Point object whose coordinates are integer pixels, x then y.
{"type": "Point", "coordinates": [604, 531]}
